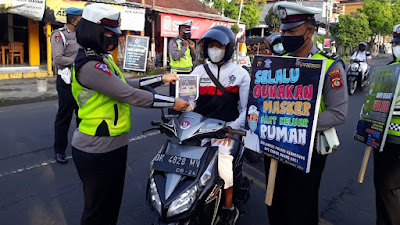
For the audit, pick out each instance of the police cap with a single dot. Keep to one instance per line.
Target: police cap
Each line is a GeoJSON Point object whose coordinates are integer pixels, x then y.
{"type": "Point", "coordinates": [73, 11]}
{"type": "Point", "coordinates": [293, 15]}
{"type": "Point", "coordinates": [186, 26]}
{"type": "Point", "coordinates": [396, 34]}
{"type": "Point", "coordinates": [103, 14]}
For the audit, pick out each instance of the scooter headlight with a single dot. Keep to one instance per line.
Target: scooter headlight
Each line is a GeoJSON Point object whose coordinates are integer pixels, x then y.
{"type": "Point", "coordinates": [183, 203]}
{"type": "Point", "coordinates": [154, 196]}
{"type": "Point", "coordinates": [354, 67]}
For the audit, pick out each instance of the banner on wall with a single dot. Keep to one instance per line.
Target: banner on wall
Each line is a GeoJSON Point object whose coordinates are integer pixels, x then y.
{"type": "Point", "coordinates": [27, 8]}
{"type": "Point", "coordinates": [55, 11]}
{"type": "Point", "coordinates": [283, 103]}
{"type": "Point", "coordinates": [169, 25]}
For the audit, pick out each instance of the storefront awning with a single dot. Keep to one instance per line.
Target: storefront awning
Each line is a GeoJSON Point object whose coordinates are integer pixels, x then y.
{"type": "Point", "coordinates": [202, 22]}
{"type": "Point", "coordinates": [30, 9]}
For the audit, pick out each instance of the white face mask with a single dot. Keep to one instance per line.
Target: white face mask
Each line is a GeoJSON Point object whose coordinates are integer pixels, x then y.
{"type": "Point", "coordinates": [396, 51]}
{"type": "Point", "coordinates": [216, 54]}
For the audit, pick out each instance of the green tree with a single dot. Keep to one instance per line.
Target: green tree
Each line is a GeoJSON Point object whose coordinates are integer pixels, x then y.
{"type": "Point", "coordinates": [351, 29]}
{"type": "Point", "coordinates": [396, 16]}
{"type": "Point", "coordinates": [380, 16]}
{"type": "Point", "coordinates": [251, 11]}
{"type": "Point", "coordinates": [272, 20]}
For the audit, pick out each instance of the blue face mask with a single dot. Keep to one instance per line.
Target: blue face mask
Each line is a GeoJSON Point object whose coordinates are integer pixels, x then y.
{"type": "Point", "coordinates": [253, 125]}
{"type": "Point", "coordinates": [278, 48]}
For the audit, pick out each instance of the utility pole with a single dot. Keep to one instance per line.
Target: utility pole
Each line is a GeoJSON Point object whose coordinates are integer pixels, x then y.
{"type": "Point", "coordinates": [328, 2]}
{"type": "Point", "coordinates": [238, 21]}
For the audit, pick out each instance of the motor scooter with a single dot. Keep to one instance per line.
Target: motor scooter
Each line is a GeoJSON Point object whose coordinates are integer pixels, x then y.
{"type": "Point", "coordinates": [184, 187]}
{"type": "Point", "coordinates": [355, 77]}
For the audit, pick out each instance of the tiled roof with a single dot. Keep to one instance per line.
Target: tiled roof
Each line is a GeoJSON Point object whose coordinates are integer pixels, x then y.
{"type": "Point", "coordinates": [188, 5]}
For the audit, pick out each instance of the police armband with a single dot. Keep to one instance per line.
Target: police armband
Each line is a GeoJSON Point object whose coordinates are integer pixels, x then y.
{"type": "Point", "coordinates": [162, 101]}
{"type": "Point", "coordinates": [153, 81]}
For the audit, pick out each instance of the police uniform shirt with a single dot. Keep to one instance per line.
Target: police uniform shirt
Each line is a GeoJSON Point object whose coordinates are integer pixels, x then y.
{"type": "Point", "coordinates": [174, 51]}
{"type": "Point", "coordinates": [335, 96]}
{"type": "Point", "coordinates": [64, 54]}
{"type": "Point", "coordinates": [107, 83]}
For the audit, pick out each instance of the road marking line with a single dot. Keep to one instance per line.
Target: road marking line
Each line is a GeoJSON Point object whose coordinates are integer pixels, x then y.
{"type": "Point", "coordinates": [143, 136]}
{"type": "Point", "coordinates": [52, 161]}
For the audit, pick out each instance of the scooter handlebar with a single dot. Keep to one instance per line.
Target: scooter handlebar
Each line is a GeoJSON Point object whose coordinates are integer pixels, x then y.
{"type": "Point", "coordinates": [234, 131]}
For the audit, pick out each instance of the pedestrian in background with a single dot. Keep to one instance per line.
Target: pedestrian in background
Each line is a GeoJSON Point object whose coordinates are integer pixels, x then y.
{"type": "Point", "coordinates": [64, 49]}
{"type": "Point", "coordinates": [387, 162]}
{"type": "Point", "coordinates": [295, 200]}
{"type": "Point", "coordinates": [104, 96]}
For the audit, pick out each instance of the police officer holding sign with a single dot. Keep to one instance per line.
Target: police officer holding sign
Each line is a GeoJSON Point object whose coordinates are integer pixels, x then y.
{"type": "Point", "coordinates": [64, 49]}
{"type": "Point", "coordinates": [387, 162]}
{"type": "Point", "coordinates": [295, 200]}
{"type": "Point", "coordinates": [104, 96]}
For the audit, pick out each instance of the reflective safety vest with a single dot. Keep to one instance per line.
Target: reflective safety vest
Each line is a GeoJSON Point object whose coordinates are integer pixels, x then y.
{"type": "Point", "coordinates": [184, 63]}
{"type": "Point", "coordinates": [101, 115]}
{"type": "Point", "coordinates": [394, 127]}
{"type": "Point", "coordinates": [329, 63]}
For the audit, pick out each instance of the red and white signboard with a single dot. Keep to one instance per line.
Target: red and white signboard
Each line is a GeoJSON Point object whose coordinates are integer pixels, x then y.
{"type": "Point", "coordinates": [169, 25]}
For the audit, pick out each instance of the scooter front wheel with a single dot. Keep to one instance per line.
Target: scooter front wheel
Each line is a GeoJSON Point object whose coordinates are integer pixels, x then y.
{"type": "Point", "coordinates": [352, 86]}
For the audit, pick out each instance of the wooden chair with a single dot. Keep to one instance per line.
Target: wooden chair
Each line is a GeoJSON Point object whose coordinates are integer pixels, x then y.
{"type": "Point", "coordinates": [16, 50]}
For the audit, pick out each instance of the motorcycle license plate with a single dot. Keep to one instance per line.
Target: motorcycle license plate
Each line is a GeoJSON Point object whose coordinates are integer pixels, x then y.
{"type": "Point", "coordinates": [176, 164]}
{"type": "Point", "coordinates": [354, 73]}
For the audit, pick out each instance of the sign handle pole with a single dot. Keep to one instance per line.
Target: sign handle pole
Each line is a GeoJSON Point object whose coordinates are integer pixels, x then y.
{"type": "Point", "coordinates": [364, 164]}
{"type": "Point", "coordinates": [271, 182]}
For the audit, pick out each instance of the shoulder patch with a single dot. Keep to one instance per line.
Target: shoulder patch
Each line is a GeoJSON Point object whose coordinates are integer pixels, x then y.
{"type": "Point", "coordinates": [174, 45]}
{"type": "Point", "coordinates": [57, 37]}
{"type": "Point", "coordinates": [103, 67]}
{"type": "Point", "coordinates": [336, 79]}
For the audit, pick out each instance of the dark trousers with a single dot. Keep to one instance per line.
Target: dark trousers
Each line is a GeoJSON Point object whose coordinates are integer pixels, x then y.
{"type": "Point", "coordinates": [387, 182]}
{"type": "Point", "coordinates": [66, 107]}
{"type": "Point", "coordinates": [295, 200]}
{"type": "Point", "coordinates": [103, 176]}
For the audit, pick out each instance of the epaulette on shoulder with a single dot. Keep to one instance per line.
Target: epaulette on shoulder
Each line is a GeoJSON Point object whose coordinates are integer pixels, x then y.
{"type": "Point", "coordinates": [329, 55]}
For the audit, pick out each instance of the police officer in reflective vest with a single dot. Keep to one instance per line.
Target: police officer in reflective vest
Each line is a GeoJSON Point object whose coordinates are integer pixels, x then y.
{"type": "Point", "coordinates": [387, 162]}
{"type": "Point", "coordinates": [181, 49]}
{"type": "Point", "coordinates": [64, 49]}
{"type": "Point", "coordinates": [104, 97]}
{"type": "Point", "coordinates": [295, 200]}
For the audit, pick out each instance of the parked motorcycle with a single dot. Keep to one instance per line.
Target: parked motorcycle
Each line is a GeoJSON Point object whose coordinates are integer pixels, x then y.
{"type": "Point", "coordinates": [184, 186]}
{"type": "Point", "coordinates": [355, 77]}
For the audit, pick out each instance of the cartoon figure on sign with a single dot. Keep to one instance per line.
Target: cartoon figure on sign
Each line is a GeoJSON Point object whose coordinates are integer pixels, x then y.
{"type": "Point", "coordinates": [251, 141]}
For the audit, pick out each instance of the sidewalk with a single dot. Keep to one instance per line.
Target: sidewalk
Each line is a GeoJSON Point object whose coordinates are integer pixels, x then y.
{"type": "Point", "coordinates": [26, 90]}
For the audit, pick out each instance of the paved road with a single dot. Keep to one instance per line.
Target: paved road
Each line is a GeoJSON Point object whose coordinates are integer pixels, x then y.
{"type": "Point", "coordinates": [36, 191]}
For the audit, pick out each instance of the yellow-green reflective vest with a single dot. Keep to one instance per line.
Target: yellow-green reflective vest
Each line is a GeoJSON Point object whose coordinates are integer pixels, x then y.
{"type": "Point", "coordinates": [95, 107]}
{"type": "Point", "coordinates": [329, 63]}
{"type": "Point", "coordinates": [394, 127]}
{"type": "Point", "coordinates": [184, 63]}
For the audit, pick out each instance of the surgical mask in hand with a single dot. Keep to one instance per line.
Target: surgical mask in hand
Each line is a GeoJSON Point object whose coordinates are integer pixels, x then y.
{"type": "Point", "coordinates": [253, 125]}
{"type": "Point", "coordinates": [215, 54]}
{"type": "Point", "coordinates": [278, 48]}
{"type": "Point", "coordinates": [396, 51]}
